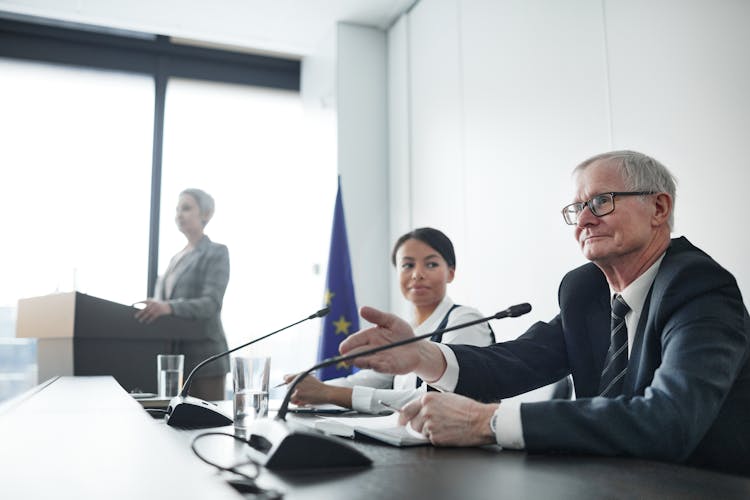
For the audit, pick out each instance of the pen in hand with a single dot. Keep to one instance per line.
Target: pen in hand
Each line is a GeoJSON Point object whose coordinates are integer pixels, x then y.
{"type": "Point", "coordinates": [408, 426]}
{"type": "Point", "coordinates": [287, 379]}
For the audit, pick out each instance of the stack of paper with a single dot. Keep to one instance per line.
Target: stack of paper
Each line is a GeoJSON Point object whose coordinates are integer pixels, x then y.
{"type": "Point", "coordinates": [384, 429]}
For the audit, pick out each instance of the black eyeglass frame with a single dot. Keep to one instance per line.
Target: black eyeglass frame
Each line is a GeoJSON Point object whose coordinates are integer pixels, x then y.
{"type": "Point", "coordinates": [588, 203]}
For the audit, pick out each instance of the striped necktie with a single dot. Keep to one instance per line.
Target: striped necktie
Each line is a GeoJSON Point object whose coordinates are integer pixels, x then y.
{"type": "Point", "coordinates": [616, 362]}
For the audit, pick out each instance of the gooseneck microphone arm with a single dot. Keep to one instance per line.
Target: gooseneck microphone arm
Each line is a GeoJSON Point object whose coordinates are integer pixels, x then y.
{"type": "Point", "coordinates": [189, 380]}
{"type": "Point", "coordinates": [511, 312]}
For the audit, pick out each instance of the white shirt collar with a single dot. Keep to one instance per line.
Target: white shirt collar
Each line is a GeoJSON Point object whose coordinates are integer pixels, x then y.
{"type": "Point", "coordinates": [635, 293]}
{"type": "Point", "coordinates": [431, 323]}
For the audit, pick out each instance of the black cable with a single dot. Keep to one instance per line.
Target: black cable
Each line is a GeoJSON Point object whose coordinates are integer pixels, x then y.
{"type": "Point", "coordinates": [247, 484]}
{"type": "Point", "coordinates": [231, 468]}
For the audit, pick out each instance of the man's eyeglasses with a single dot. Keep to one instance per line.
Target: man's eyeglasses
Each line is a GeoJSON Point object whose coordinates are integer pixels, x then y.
{"type": "Point", "coordinates": [600, 205]}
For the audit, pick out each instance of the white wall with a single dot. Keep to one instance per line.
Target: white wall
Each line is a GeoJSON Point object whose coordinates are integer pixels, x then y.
{"type": "Point", "coordinates": [507, 96]}
{"type": "Point", "coordinates": [679, 87]}
{"type": "Point", "coordinates": [363, 156]}
{"type": "Point", "coordinates": [399, 148]}
{"type": "Point", "coordinates": [346, 77]}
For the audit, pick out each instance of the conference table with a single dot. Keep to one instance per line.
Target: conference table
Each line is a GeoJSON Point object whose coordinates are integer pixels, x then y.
{"type": "Point", "coordinates": [85, 437]}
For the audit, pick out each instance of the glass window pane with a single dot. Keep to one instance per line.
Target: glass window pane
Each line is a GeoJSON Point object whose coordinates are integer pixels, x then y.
{"type": "Point", "coordinates": [75, 154]}
{"type": "Point", "coordinates": [271, 170]}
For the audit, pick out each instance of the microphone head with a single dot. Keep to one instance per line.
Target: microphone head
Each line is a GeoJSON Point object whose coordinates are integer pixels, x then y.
{"type": "Point", "coordinates": [322, 312]}
{"type": "Point", "coordinates": [519, 309]}
{"type": "Point", "coordinates": [513, 311]}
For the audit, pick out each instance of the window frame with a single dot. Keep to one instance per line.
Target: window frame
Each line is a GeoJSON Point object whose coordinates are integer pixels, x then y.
{"type": "Point", "coordinates": [144, 53]}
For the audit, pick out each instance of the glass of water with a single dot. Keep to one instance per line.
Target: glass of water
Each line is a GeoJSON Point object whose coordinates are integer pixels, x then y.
{"type": "Point", "coordinates": [250, 378]}
{"type": "Point", "coordinates": [169, 369]}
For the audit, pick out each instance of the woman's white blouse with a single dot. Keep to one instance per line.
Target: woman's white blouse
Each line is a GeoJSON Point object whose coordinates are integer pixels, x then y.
{"type": "Point", "coordinates": [369, 386]}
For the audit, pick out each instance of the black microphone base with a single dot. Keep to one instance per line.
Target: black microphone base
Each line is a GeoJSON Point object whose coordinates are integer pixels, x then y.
{"type": "Point", "coordinates": [193, 413]}
{"type": "Point", "coordinates": [279, 445]}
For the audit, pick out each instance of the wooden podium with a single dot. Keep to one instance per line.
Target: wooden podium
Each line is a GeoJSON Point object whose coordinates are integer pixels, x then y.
{"type": "Point", "coordinates": [79, 334]}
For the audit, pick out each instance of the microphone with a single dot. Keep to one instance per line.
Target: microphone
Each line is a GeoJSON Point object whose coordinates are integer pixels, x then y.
{"type": "Point", "coordinates": [278, 444]}
{"type": "Point", "coordinates": [194, 413]}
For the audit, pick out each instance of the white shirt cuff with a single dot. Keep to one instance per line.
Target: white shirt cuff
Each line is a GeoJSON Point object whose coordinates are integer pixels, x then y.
{"type": "Point", "coordinates": [449, 380]}
{"type": "Point", "coordinates": [362, 398]}
{"type": "Point", "coordinates": [508, 426]}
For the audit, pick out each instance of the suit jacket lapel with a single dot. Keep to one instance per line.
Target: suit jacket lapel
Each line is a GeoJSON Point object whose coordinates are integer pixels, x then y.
{"type": "Point", "coordinates": [593, 297]}
{"type": "Point", "coordinates": [188, 262]}
{"type": "Point", "coordinates": [645, 351]}
{"type": "Point", "coordinates": [636, 350]}
{"type": "Point", "coordinates": [598, 324]}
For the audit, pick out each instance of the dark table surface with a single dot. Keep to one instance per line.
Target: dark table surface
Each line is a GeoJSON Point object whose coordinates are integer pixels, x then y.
{"type": "Point", "coordinates": [490, 472]}
{"type": "Point", "coordinates": [85, 437]}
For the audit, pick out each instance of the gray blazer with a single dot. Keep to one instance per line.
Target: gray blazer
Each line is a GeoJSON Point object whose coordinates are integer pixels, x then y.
{"type": "Point", "coordinates": [686, 395]}
{"type": "Point", "coordinates": [200, 282]}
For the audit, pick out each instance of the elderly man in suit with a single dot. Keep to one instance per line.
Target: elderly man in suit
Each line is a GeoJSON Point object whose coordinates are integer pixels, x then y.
{"type": "Point", "coordinates": [653, 332]}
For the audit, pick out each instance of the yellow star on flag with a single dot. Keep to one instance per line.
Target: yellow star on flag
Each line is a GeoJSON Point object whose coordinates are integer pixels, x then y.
{"type": "Point", "coordinates": [342, 365]}
{"type": "Point", "coordinates": [342, 325]}
{"type": "Point", "coordinates": [328, 296]}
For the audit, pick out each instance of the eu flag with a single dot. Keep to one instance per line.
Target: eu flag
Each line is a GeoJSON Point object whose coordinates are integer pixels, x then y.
{"type": "Point", "coordinates": [339, 296]}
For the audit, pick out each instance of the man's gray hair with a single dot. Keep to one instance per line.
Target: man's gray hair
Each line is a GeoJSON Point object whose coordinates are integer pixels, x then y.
{"type": "Point", "coordinates": [205, 202]}
{"type": "Point", "coordinates": [640, 173]}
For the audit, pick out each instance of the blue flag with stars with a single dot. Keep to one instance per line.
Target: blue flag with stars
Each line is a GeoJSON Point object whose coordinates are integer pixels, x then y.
{"type": "Point", "coordinates": [339, 296]}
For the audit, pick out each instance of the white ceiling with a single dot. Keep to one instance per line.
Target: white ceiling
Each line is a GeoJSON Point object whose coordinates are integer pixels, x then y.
{"type": "Point", "coordinates": [289, 27]}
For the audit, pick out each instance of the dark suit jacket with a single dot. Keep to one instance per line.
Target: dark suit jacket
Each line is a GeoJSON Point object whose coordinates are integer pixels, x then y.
{"type": "Point", "coordinates": [687, 389]}
{"type": "Point", "coordinates": [201, 280]}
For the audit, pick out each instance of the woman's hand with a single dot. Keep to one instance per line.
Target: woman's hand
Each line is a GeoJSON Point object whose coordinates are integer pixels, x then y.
{"type": "Point", "coordinates": [311, 391]}
{"type": "Point", "coordinates": [153, 310]}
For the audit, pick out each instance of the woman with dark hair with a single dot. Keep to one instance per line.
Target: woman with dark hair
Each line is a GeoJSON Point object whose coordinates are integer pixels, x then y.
{"type": "Point", "coordinates": [193, 287]}
{"type": "Point", "coordinates": [426, 263]}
